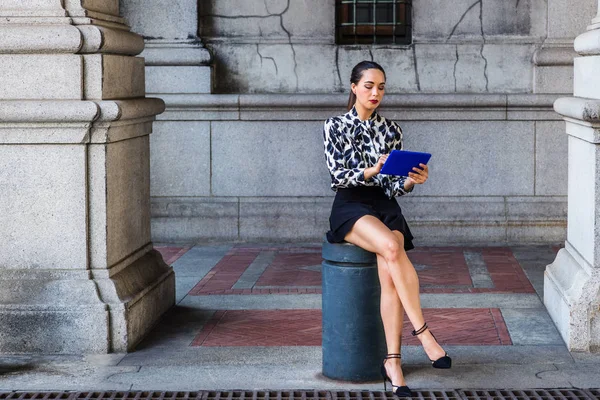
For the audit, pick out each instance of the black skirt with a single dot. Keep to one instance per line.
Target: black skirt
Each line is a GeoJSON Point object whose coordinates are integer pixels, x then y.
{"type": "Point", "coordinates": [352, 203]}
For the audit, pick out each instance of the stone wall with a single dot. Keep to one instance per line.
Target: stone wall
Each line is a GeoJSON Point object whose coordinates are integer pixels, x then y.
{"type": "Point", "coordinates": [288, 46]}
{"type": "Point", "coordinates": [240, 157]}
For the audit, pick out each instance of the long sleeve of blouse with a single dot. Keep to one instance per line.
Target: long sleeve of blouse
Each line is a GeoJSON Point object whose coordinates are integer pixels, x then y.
{"type": "Point", "coordinates": [338, 158]}
{"type": "Point", "coordinates": [351, 145]}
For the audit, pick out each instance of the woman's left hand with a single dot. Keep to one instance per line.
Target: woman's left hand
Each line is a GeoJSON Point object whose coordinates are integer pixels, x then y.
{"type": "Point", "coordinates": [420, 175]}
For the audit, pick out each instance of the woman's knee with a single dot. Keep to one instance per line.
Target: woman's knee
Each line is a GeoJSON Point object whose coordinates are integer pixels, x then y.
{"type": "Point", "coordinates": [393, 249]}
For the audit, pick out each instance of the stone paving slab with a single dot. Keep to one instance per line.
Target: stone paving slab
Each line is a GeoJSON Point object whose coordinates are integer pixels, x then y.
{"type": "Point", "coordinates": [311, 355]}
{"type": "Point", "coordinates": [78, 376]}
{"type": "Point", "coordinates": [428, 300]}
{"type": "Point", "coordinates": [531, 326]}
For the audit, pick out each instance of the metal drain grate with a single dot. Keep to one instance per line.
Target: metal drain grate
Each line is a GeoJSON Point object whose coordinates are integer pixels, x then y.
{"type": "Point", "coordinates": [533, 394]}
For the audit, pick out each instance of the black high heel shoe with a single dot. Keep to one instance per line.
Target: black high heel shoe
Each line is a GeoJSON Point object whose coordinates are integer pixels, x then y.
{"type": "Point", "coordinates": [400, 391]}
{"type": "Point", "coordinates": [444, 362]}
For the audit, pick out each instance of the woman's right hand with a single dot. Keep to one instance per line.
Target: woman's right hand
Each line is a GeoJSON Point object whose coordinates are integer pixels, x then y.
{"type": "Point", "coordinates": [375, 169]}
{"type": "Point", "coordinates": [380, 163]}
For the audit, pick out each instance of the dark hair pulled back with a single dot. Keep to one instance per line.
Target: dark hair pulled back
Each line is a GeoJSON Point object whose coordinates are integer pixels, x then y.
{"type": "Point", "coordinates": [356, 76]}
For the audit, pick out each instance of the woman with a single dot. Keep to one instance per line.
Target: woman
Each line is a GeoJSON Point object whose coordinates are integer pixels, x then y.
{"type": "Point", "coordinates": [366, 213]}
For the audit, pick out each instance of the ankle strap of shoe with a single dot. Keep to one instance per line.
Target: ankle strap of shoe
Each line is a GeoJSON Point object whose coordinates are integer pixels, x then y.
{"type": "Point", "coordinates": [421, 330]}
{"type": "Point", "coordinates": [393, 355]}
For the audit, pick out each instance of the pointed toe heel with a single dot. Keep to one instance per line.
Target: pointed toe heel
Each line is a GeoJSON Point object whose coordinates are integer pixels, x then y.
{"type": "Point", "coordinates": [399, 391]}
{"type": "Point", "coordinates": [444, 362]}
{"type": "Point", "coordinates": [403, 391]}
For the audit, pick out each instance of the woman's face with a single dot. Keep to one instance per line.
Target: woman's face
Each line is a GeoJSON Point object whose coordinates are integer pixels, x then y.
{"type": "Point", "coordinates": [370, 89]}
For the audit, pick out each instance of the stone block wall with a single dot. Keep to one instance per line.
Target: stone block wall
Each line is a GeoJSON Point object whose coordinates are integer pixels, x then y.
{"type": "Point", "coordinates": [238, 153]}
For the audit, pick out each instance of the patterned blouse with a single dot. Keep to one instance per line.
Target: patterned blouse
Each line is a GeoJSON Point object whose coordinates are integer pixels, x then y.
{"type": "Point", "coordinates": [351, 145]}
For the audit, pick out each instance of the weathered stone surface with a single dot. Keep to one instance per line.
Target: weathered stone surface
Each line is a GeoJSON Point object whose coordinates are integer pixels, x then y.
{"type": "Point", "coordinates": [283, 218]}
{"type": "Point", "coordinates": [268, 159]}
{"type": "Point", "coordinates": [555, 79]}
{"type": "Point", "coordinates": [41, 76]}
{"type": "Point", "coordinates": [176, 54]}
{"type": "Point", "coordinates": [461, 67]}
{"type": "Point", "coordinates": [584, 219]}
{"type": "Point", "coordinates": [114, 77]}
{"type": "Point", "coordinates": [67, 330]}
{"type": "Point", "coordinates": [100, 39]}
{"type": "Point", "coordinates": [180, 79]}
{"type": "Point", "coordinates": [588, 43]}
{"type": "Point", "coordinates": [475, 158]}
{"type": "Point", "coordinates": [551, 158]}
{"type": "Point", "coordinates": [77, 260]}
{"type": "Point", "coordinates": [44, 187]}
{"type": "Point", "coordinates": [177, 21]}
{"type": "Point", "coordinates": [37, 39]}
{"type": "Point", "coordinates": [179, 150]}
{"type": "Point", "coordinates": [39, 8]}
{"type": "Point", "coordinates": [565, 20]}
{"type": "Point", "coordinates": [468, 19]}
{"type": "Point", "coordinates": [586, 77]}
{"type": "Point", "coordinates": [571, 288]}
{"type": "Point", "coordinates": [188, 219]}
{"type": "Point", "coordinates": [434, 220]}
{"type": "Point", "coordinates": [127, 197]}
{"type": "Point", "coordinates": [508, 68]}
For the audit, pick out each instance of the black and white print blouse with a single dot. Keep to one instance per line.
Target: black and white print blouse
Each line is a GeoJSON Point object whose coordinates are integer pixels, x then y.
{"type": "Point", "coordinates": [351, 145]}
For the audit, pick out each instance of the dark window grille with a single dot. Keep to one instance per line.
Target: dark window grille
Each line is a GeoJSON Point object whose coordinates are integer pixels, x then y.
{"type": "Point", "coordinates": [373, 21]}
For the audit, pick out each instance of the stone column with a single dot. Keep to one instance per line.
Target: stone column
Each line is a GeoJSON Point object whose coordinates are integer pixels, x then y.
{"type": "Point", "coordinates": [176, 60]}
{"type": "Point", "coordinates": [572, 281]}
{"type": "Point", "coordinates": [178, 71]}
{"type": "Point", "coordinates": [78, 272]}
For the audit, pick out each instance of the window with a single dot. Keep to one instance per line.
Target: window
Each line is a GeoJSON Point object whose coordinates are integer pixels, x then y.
{"type": "Point", "coordinates": [373, 21]}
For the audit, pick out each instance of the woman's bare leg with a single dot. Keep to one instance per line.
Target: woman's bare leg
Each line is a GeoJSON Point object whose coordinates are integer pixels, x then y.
{"type": "Point", "coordinates": [372, 235]}
{"type": "Point", "coordinates": [392, 316]}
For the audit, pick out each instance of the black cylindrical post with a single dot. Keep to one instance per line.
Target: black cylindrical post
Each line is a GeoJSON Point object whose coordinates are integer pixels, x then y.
{"type": "Point", "coordinates": [353, 338]}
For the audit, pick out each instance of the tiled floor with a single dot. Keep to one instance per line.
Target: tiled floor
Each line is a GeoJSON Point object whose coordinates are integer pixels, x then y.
{"type": "Point", "coordinates": [296, 270]}
{"type": "Point", "coordinates": [232, 328]}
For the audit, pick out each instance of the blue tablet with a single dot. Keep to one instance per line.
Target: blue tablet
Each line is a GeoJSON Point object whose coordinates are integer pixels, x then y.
{"type": "Point", "coordinates": [401, 162]}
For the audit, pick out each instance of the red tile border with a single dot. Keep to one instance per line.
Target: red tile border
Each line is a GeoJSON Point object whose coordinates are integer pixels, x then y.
{"type": "Point", "coordinates": [451, 326]}
{"type": "Point", "coordinates": [503, 334]}
{"type": "Point", "coordinates": [208, 328]}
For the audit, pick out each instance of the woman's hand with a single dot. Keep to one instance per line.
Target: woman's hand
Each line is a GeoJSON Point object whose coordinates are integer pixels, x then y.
{"type": "Point", "coordinates": [380, 163]}
{"type": "Point", "coordinates": [375, 169]}
{"type": "Point", "coordinates": [420, 175]}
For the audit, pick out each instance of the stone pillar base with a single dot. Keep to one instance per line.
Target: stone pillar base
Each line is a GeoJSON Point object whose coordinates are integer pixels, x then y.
{"type": "Point", "coordinates": [572, 297]}
{"type": "Point", "coordinates": [58, 311]}
{"type": "Point", "coordinates": [137, 297]}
